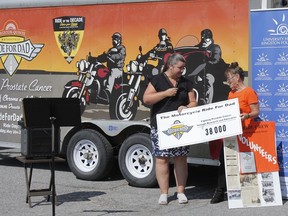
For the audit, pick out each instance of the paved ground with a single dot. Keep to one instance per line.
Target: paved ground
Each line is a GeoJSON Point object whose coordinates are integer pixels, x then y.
{"type": "Point", "coordinates": [111, 197]}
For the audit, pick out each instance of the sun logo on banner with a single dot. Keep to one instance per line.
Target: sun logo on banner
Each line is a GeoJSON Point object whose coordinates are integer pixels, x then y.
{"type": "Point", "coordinates": [282, 72]}
{"type": "Point", "coordinates": [177, 129]}
{"type": "Point", "coordinates": [281, 27]}
{"type": "Point", "coordinates": [283, 103]}
{"type": "Point", "coordinates": [14, 47]}
{"type": "Point", "coordinates": [283, 57]}
{"type": "Point", "coordinates": [263, 73]}
{"type": "Point", "coordinates": [262, 57]}
{"type": "Point", "coordinates": [263, 117]}
{"type": "Point", "coordinates": [282, 118]}
{"type": "Point", "coordinates": [69, 31]}
{"type": "Point", "coordinates": [263, 103]}
{"type": "Point", "coordinates": [282, 133]}
{"type": "Point", "coordinates": [262, 88]}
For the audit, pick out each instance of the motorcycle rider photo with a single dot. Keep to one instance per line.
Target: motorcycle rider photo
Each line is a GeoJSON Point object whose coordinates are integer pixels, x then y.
{"type": "Point", "coordinates": [211, 71]}
{"type": "Point", "coordinates": [207, 43]}
{"type": "Point", "coordinates": [115, 58]}
{"type": "Point", "coordinates": [163, 47]}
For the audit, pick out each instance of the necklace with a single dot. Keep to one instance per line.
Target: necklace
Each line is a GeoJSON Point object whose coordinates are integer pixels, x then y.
{"type": "Point", "coordinates": [171, 81]}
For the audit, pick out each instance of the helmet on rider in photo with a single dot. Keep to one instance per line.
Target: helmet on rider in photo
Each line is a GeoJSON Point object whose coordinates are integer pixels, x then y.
{"type": "Point", "coordinates": [206, 38]}
{"type": "Point", "coordinates": [206, 34]}
{"type": "Point", "coordinates": [162, 32]}
{"type": "Point", "coordinates": [117, 37]}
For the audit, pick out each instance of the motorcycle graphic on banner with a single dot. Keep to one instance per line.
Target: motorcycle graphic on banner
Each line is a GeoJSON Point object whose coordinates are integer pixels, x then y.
{"type": "Point", "coordinates": [204, 67]}
{"type": "Point", "coordinates": [90, 86]}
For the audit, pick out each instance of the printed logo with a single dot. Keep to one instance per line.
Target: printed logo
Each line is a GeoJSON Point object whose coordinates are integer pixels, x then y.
{"type": "Point", "coordinates": [282, 89]}
{"type": "Point", "coordinates": [14, 47]}
{"type": "Point", "coordinates": [247, 157]}
{"type": "Point", "coordinates": [282, 59]}
{"type": "Point", "coordinates": [282, 118]}
{"type": "Point", "coordinates": [281, 148]}
{"type": "Point", "coordinates": [262, 59]}
{"type": "Point", "coordinates": [262, 89]}
{"type": "Point", "coordinates": [282, 74]}
{"type": "Point", "coordinates": [264, 105]}
{"type": "Point", "coordinates": [177, 129]}
{"type": "Point", "coordinates": [283, 165]}
{"type": "Point", "coordinates": [282, 134]}
{"type": "Point", "coordinates": [277, 35]}
{"type": "Point", "coordinates": [282, 104]}
{"type": "Point", "coordinates": [231, 145]}
{"type": "Point", "coordinates": [112, 128]}
{"type": "Point", "coordinates": [263, 75]}
{"type": "Point", "coordinates": [69, 31]}
{"type": "Point", "coordinates": [263, 117]}
{"type": "Point", "coordinates": [280, 27]}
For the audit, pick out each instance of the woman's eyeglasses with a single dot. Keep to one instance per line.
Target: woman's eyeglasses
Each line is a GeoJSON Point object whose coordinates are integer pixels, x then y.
{"type": "Point", "coordinates": [180, 68]}
{"type": "Point", "coordinates": [230, 78]}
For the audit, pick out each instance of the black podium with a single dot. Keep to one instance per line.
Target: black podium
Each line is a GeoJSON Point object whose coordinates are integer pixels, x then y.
{"type": "Point", "coordinates": [51, 113]}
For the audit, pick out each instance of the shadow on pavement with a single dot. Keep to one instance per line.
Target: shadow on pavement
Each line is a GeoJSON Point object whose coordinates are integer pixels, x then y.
{"type": "Point", "coordinates": [198, 176]}
{"type": "Point", "coordinates": [78, 196]}
{"type": "Point", "coordinates": [110, 211]}
{"type": "Point", "coordinates": [9, 159]}
{"type": "Point", "coordinates": [201, 182]}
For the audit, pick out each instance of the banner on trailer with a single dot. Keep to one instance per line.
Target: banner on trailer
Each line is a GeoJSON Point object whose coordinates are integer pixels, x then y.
{"type": "Point", "coordinates": [41, 49]}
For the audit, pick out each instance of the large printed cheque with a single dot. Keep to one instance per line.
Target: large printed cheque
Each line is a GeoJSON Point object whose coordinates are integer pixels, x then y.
{"type": "Point", "coordinates": [199, 124]}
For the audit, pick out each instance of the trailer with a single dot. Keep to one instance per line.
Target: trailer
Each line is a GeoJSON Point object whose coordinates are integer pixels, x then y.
{"type": "Point", "coordinates": [51, 49]}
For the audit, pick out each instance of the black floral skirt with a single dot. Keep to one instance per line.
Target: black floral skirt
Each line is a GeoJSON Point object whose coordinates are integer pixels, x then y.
{"type": "Point", "coordinates": [172, 152]}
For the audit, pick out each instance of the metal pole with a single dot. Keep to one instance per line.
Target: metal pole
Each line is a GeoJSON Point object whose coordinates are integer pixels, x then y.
{"type": "Point", "coordinates": [53, 165]}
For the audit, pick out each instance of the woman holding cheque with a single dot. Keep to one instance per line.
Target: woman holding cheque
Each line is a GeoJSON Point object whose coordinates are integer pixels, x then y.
{"type": "Point", "coordinates": [169, 91]}
{"type": "Point", "coordinates": [249, 109]}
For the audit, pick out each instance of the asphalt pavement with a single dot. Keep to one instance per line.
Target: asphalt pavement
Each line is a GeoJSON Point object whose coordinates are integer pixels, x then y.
{"type": "Point", "coordinates": [112, 196]}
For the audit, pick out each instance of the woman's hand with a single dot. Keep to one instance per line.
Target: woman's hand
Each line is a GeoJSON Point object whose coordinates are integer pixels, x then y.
{"type": "Point", "coordinates": [151, 96]}
{"type": "Point", "coordinates": [180, 108]}
{"type": "Point", "coordinates": [244, 116]}
{"type": "Point", "coordinates": [171, 92]}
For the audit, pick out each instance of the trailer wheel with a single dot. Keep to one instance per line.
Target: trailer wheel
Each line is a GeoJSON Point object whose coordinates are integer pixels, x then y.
{"type": "Point", "coordinates": [136, 162]}
{"type": "Point", "coordinates": [89, 155]}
